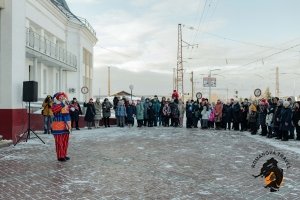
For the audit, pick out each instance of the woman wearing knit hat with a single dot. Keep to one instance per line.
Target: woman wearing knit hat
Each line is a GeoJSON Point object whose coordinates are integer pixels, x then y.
{"type": "Point", "coordinates": [61, 125]}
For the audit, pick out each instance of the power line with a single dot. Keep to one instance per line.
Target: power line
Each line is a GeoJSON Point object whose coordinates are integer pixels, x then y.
{"type": "Point", "coordinates": [279, 52]}
{"type": "Point", "coordinates": [201, 18]}
{"type": "Point", "coordinates": [113, 51]}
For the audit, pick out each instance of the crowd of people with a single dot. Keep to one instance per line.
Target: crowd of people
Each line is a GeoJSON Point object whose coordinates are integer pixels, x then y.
{"type": "Point", "coordinates": [273, 117]}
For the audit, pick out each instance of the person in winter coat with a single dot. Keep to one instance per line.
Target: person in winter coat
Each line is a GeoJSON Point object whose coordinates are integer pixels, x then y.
{"type": "Point", "coordinates": [167, 113]}
{"type": "Point", "coordinates": [205, 116]}
{"type": "Point", "coordinates": [151, 115]}
{"type": "Point", "coordinates": [75, 111]}
{"type": "Point", "coordinates": [156, 109]}
{"type": "Point", "coordinates": [139, 113]}
{"type": "Point", "coordinates": [196, 114]}
{"type": "Point", "coordinates": [243, 115]}
{"type": "Point", "coordinates": [161, 115]}
{"type": "Point", "coordinates": [121, 113]}
{"type": "Point", "coordinates": [181, 108]}
{"type": "Point", "coordinates": [269, 118]}
{"type": "Point", "coordinates": [146, 105]}
{"type": "Point", "coordinates": [226, 120]}
{"type": "Point", "coordinates": [296, 119]}
{"type": "Point", "coordinates": [115, 105]}
{"type": "Point", "coordinates": [98, 111]}
{"type": "Point", "coordinates": [189, 114]}
{"type": "Point", "coordinates": [276, 121]}
{"type": "Point", "coordinates": [174, 114]}
{"type": "Point", "coordinates": [175, 95]}
{"type": "Point", "coordinates": [262, 114]}
{"type": "Point", "coordinates": [47, 113]}
{"type": "Point", "coordinates": [90, 113]}
{"type": "Point", "coordinates": [292, 128]}
{"type": "Point", "coordinates": [219, 113]}
{"type": "Point", "coordinates": [130, 112]}
{"type": "Point", "coordinates": [106, 113]}
{"type": "Point", "coordinates": [236, 115]}
{"type": "Point", "coordinates": [211, 119]}
{"type": "Point", "coordinates": [285, 121]}
{"type": "Point", "coordinates": [253, 118]}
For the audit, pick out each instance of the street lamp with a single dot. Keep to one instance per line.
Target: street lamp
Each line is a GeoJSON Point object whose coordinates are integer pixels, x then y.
{"type": "Point", "coordinates": [209, 78]}
{"type": "Point", "coordinates": [131, 88]}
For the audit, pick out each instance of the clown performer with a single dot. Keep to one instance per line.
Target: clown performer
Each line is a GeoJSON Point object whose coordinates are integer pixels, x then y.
{"type": "Point", "coordinates": [61, 125]}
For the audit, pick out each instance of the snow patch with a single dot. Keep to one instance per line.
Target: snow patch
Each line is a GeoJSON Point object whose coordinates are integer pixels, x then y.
{"type": "Point", "coordinates": [168, 166]}
{"type": "Point", "coordinates": [10, 157]}
{"type": "Point", "coordinates": [289, 145]}
{"type": "Point", "coordinates": [204, 192]}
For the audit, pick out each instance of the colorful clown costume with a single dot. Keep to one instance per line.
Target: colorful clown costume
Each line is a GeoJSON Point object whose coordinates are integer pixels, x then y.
{"type": "Point", "coordinates": [61, 126]}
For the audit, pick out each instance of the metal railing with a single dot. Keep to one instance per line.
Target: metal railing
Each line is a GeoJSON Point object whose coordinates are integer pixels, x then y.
{"type": "Point", "coordinates": [74, 18]}
{"type": "Point", "coordinates": [87, 25]}
{"type": "Point", "coordinates": [42, 45]}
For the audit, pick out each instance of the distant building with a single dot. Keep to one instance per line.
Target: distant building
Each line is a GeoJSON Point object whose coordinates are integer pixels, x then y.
{"type": "Point", "coordinates": [122, 93]}
{"type": "Point", "coordinates": [42, 41]}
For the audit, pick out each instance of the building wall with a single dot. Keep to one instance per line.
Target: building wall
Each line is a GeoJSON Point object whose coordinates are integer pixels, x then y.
{"type": "Point", "coordinates": [45, 19]}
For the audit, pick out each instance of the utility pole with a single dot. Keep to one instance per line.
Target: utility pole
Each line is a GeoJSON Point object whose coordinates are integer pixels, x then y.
{"type": "Point", "coordinates": [277, 83]}
{"type": "Point", "coordinates": [108, 85]}
{"type": "Point", "coordinates": [179, 80]}
{"type": "Point", "coordinates": [174, 78]}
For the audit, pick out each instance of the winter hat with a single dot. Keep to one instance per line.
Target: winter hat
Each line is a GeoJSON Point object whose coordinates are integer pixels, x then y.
{"type": "Point", "coordinates": [280, 101]}
{"type": "Point", "coordinates": [286, 104]}
{"type": "Point", "coordinates": [263, 102]}
{"type": "Point", "coordinates": [60, 96]}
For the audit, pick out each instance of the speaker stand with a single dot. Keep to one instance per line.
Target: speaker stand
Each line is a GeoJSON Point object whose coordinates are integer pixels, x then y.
{"type": "Point", "coordinates": [27, 132]}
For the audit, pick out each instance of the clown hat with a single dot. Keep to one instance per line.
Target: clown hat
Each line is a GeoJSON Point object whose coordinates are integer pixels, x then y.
{"type": "Point", "coordinates": [60, 95]}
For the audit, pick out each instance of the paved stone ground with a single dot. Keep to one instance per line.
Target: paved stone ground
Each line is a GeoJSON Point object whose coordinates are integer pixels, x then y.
{"type": "Point", "coordinates": [147, 163]}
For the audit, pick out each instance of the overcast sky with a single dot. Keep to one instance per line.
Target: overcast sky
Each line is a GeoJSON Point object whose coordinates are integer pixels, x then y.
{"type": "Point", "coordinates": [246, 40]}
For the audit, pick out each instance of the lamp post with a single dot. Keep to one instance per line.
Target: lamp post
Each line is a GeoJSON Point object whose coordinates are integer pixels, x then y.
{"type": "Point", "coordinates": [209, 86]}
{"type": "Point", "coordinates": [131, 88]}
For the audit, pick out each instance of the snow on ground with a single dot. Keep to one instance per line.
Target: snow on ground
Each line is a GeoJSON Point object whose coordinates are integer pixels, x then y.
{"type": "Point", "coordinates": [146, 163]}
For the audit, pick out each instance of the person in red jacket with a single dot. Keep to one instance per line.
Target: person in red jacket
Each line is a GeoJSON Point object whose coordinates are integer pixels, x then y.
{"type": "Point", "coordinates": [175, 95]}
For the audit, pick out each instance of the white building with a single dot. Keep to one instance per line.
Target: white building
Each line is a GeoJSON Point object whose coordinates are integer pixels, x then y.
{"type": "Point", "coordinates": [43, 41]}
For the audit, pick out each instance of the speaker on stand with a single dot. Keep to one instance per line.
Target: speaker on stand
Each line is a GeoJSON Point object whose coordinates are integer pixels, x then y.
{"type": "Point", "coordinates": [30, 94]}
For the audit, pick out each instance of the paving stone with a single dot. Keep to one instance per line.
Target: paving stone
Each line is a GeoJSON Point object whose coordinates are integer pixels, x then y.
{"type": "Point", "coordinates": [146, 163]}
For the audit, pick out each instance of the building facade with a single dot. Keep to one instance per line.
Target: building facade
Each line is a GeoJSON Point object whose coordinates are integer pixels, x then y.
{"type": "Point", "coordinates": [42, 41]}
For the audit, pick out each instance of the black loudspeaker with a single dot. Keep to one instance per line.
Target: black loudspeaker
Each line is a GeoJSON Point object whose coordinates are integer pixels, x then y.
{"type": "Point", "coordinates": [30, 91]}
